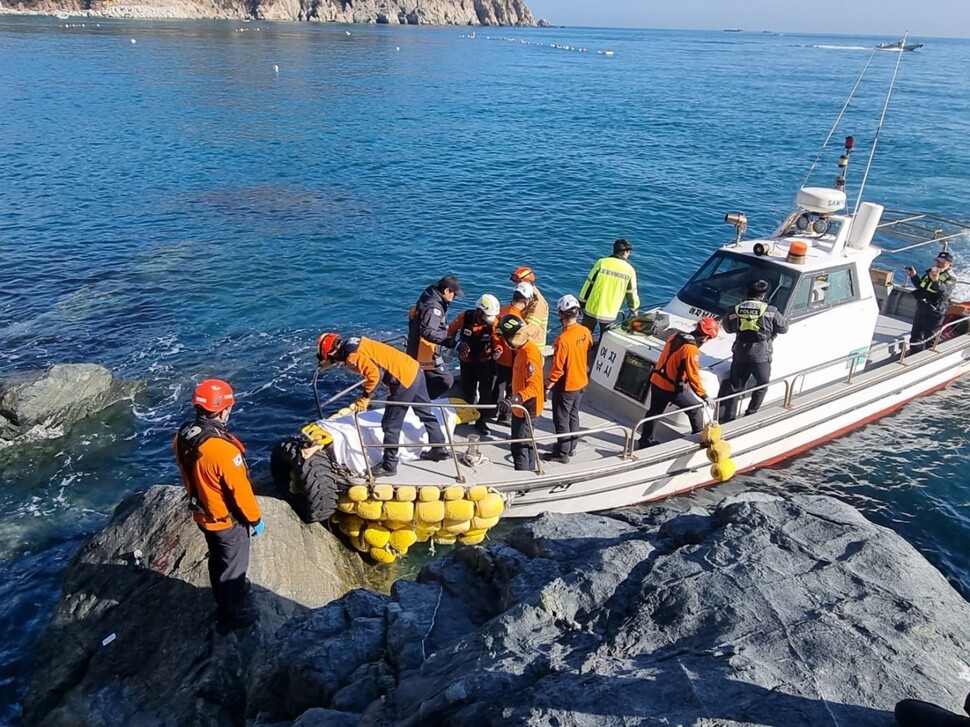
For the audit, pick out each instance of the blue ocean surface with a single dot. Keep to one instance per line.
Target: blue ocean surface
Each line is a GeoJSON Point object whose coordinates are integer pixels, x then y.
{"type": "Point", "coordinates": [181, 200]}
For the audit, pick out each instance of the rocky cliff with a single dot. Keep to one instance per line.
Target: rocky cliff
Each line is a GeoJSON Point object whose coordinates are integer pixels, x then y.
{"type": "Point", "coordinates": [394, 12]}
{"type": "Point", "coordinates": [760, 611]}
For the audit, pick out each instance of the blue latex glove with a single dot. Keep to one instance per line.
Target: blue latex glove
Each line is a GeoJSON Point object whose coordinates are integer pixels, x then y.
{"type": "Point", "coordinates": [256, 528]}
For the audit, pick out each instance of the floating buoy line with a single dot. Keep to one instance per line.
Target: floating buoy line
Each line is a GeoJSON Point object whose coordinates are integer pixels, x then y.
{"type": "Point", "coordinates": [554, 46]}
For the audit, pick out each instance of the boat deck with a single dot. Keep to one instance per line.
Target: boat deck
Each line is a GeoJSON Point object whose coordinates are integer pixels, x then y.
{"type": "Point", "coordinates": [594, 448]}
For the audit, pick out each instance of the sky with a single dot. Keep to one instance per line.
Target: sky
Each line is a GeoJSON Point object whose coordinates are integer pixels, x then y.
{"type": "Point", "coordinates": [923, 18]}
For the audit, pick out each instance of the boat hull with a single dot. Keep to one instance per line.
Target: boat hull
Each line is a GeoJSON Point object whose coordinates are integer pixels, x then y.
{"type": "Point", "coordinates": [768, 438]}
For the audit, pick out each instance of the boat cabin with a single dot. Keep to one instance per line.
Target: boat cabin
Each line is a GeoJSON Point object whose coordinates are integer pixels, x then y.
{"type": "Point", "coordinates": [817, 265]}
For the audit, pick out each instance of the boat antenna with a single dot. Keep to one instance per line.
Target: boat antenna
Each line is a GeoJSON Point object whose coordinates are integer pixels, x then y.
{"type": "Point", "coordinates": [838, 119]}
{"type": "Point", "coordinates": [882, 118]}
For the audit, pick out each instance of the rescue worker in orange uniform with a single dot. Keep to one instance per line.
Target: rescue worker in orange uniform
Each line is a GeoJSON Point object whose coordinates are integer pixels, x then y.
{"type": "Point", "coordinates": [527, 391]}
{"type": "Point", "coordinates": [379, 363]}
{"type": "Point", "coordinates": [676, 377]}
{"type": "Point", "coordinates": [537, 310]}
{"type": "Point", "coordinates": [213, 468]}
{"type": "Point", "coordinates": [568, 378]}
{"type": "Point", "coordinates": [503, 353]}
{"type": "Point", "coordinates": [475, 331]}
{"type": "Point", "coordinates": [428, 333]}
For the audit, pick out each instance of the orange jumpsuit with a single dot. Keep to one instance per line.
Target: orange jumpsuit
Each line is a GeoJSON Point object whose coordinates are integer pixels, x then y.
{"type": "Point", "coordinates": [527, 384]}
{"type": "Point", "coordinates": [676, 380]}
{"type": "Point", "coordinates": [219, 479]}
{"type": "Point", "coordinates": [213, 468]}
{"type": "Point", "coordinates": [568, 379]}
{"type": "Point", "coordinates": [375, 361]}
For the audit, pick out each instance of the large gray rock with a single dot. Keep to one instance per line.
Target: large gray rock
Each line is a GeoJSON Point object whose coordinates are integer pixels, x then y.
{"type": "Point", "coordinates": [45, 404]}
{"type": "Point", "coordinates": [164, 663]}
{"type": "Point", "coordinates": [763, 611]}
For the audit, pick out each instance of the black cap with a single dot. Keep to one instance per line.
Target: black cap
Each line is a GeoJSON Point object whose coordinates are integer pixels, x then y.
{"type": "Point", "coordinates": [945, 255]}
{"type": "Point", "coordinates": [621, 245]}
{"type": "Point", "coordinates": [450, 282]}
{"type": "Point", "coordinates": [509, 325]}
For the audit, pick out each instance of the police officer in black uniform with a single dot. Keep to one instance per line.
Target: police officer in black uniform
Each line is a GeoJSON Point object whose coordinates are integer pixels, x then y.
{"type": "Point", "coordinates": [428, 332]}
{"type": "Point", "coordinates": [932, 293]}
{"type": "Point", "coordinates": [756, 324]}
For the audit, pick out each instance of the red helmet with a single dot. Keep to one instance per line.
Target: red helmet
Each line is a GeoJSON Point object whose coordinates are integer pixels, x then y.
{"type": "Point", "coordinates": [327, 345]}
{"type": "Point", "coordinates": [213, 395]}
{"type": "Point", "coordinates": [709, 327]}
{"type": "Point", "coordinates": [523, 275]}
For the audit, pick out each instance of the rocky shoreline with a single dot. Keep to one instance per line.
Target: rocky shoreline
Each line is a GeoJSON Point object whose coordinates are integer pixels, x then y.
{"type": "Point", "coordinates": [760, 610]}
{"type": "Point", "coordinates": [390, 12]}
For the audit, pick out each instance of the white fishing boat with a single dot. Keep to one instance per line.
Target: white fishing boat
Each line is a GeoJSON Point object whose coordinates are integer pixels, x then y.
{"type": "Point", "coordinates": [899, 45]}
{"type": "Point", "coordinates": [844, 362]}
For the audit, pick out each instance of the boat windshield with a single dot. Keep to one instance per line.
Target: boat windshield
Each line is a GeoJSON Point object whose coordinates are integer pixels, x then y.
{"type": "Point", "coordinates": [722, 282]}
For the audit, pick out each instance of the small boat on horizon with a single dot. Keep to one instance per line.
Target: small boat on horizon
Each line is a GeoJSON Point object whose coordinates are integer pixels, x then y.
{"type": "Point", "coordinates": [899, 45]}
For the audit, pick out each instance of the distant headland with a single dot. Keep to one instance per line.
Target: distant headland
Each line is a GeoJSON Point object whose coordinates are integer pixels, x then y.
{"type": "Point", "coordinates": [391, 12]}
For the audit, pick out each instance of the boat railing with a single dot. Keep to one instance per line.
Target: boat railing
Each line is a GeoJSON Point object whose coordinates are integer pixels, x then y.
{"type": "Point", "coordinates": [629, 435]}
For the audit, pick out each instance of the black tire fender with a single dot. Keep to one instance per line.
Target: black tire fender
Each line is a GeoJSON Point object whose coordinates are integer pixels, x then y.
{"type": "Point", "coordinates": [309, 485]}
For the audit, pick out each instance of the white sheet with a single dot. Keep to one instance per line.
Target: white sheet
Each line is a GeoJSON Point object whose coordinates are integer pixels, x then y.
{"type": "Point", "coordinates": [346, 442]}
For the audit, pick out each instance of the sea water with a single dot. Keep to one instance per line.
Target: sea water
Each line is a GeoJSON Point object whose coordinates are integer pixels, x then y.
{"type": "Point", "coordinates": [206, 200]}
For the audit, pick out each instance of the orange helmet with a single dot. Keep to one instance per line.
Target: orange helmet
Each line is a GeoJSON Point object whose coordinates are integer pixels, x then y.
{"type": "Point", "coordinates": [213, 395]}
{"type": "Point", "coordinates": [709, 327]}
{"type": "Point", "coordinates": [327, 345]}
{"type": "Point", "coordinates": [523, 275]}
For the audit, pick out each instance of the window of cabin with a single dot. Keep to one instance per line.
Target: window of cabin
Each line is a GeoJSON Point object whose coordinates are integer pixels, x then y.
{"type": "Point", "coordinates": [821, 291]}
{"type": "Point", "coordinates": [722, 282]}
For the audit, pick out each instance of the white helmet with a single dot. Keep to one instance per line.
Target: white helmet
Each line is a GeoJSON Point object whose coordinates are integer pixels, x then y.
{"type": "Point", "coordinates": [489, 305]}
{"type": "Point", "coordinates": [568, 304]}
{"type": "Point", "coordinates": [525, 290]}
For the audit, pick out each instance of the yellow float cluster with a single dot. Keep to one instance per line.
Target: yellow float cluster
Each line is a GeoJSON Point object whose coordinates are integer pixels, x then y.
{"type": "Point", "coordinates": [384, 520]}
{"type": "Point", "coordinates": [718, 452]}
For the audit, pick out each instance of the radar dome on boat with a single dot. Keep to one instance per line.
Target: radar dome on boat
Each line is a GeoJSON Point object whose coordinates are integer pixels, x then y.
{"type": "Point", "coordinates": [822, 200]}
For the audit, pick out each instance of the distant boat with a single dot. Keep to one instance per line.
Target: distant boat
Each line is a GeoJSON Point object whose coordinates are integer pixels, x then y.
{"type": "Point", "coordinates": [899, 45]}
{"type": "Point", "coordinates": [733, 30]}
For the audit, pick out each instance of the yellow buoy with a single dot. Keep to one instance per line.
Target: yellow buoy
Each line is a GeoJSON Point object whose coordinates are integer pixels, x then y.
{"type": "Point", "coordinates": [484, 523]}
{"type": "Point", "coordinates": [719, 451]}
{"type": "Point", "coordinates": [442, 539]}
{"type": "Point", "coordinates": [358, 493]}
{"type": "Point", "coordinates": [724, 470]}
{"type": "Point", "coordinates": [401, 540]}
{"type": "Point", "coordinates": [360, 544]}
{"type": "Point", "coordinates": [350, 525]}
{"type": "Point", "coordinates": [454, 492]}
{"type": "Point", "coordinates": [424, 532]}
{"type": "Point", "coordinates": [376, 535]}
{"type": "Point", "coordinates": [711, 433]}
{"type": "Point", "coordinates": [405, 493]}
{"type": "Point", "coordinates": [477, 492]}
{"type": "Point", "coordinates": [469, 539]}
{"type": "Point", "coordinates": [370, 509]}
{"type": "Point", "coordinates": [399, 511]}
{"type": "Point", "coordinates": [382, 556]}
{"type": "Point", "coordinates": [455, 527]}
{"type": "Point", "coordinates": [429, 512]}
{"type": "Point", "coordinates": [429, 494]}
{"type": "Point", "coordinates": [459, 510]}
{"type": "Point", "coordinates": [382, 492]}
{"type": "Point", "coordinates": [491, 506]}
{"type": "Point", "coordinates": [345, 504]}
